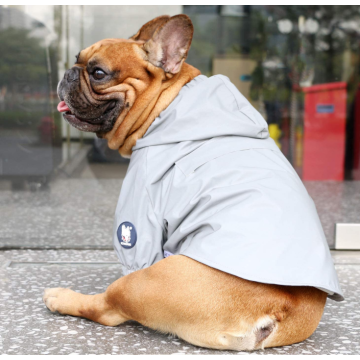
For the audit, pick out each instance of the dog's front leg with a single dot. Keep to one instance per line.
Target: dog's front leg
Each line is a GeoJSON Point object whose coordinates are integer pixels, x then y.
{"type": "Point", "coordinates": [99, 308]}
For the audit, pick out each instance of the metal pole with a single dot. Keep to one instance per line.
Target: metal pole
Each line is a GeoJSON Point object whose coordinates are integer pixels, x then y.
{"type": "Point", "coordinates": [81, 47]}
{"type": "Point", "coordinates": [68, 144]}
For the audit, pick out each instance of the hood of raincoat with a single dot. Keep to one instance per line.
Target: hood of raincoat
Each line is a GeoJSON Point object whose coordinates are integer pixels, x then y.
{"type": "Point", "coordinates": [207, 182]}
{"type": "Point", "coordinates": [231, 115]}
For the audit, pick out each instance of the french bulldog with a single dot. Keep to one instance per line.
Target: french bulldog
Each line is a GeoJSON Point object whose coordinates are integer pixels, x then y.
{"type": "Point", "coordinates": [117, 89]}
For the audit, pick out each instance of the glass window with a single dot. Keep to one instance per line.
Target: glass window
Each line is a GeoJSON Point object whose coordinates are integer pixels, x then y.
{"type": "Point", "coordinates": [299, 66]}
{"type": "Point", "coordinates": [277, 56]}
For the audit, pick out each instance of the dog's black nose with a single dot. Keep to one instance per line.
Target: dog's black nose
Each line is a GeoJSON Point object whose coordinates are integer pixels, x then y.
{"type": "Point", "coordinates": [72, 74]}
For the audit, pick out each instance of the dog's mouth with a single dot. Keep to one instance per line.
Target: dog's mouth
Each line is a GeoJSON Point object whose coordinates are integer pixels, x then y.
{"type": "Point", "coordinates": [101, 124]}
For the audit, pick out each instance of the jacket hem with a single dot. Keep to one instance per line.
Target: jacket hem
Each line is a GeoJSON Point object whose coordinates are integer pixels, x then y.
{"type": "Point", "coordinates": [332, 293]}
{"type": "Point", "coordinates": [127, 271]}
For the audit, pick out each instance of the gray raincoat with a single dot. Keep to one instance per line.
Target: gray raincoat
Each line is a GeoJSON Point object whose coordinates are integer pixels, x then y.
{"type": "Point", "coordinates": [207, 182]}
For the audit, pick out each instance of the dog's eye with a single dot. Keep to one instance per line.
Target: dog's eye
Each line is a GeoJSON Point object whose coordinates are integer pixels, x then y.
{"type": "Point", "coordinates": [99, 74]}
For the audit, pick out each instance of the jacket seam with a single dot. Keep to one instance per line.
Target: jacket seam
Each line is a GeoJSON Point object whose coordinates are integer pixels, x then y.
{"type": "Point", "coordinates": [147, 190]}
{"type": "Point", "coordinates": [205, 142]}
{"type": "Point", "coordinates": [234, 151]}
{"type": "Point", "coordinates": [178, 167]}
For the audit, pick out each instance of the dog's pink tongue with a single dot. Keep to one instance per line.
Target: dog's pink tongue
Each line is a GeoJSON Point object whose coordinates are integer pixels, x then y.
{"type": "Point", "coordinates": [62, 107]}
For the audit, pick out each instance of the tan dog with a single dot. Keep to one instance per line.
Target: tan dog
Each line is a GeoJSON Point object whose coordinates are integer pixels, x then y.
{"type": "Point", "coordinates": [117, 88]}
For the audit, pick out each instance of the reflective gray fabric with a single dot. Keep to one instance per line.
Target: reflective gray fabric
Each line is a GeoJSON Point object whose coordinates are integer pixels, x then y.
{"type": "Point", "coordinates": [207, 182]}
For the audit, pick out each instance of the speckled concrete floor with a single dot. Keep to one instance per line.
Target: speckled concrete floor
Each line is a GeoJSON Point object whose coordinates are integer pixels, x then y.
{"type": "Point", "coordinates": [27, 327]}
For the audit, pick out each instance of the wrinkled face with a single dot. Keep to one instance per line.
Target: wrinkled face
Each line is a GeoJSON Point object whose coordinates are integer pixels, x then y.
{"type": "Point", "coordinates": [90, 99]}
{"type": "Point", "coordinates": [108, 77]}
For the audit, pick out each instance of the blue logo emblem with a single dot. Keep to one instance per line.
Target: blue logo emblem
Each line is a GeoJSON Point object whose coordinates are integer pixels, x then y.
{"type": "Point", "coordinates": [126, 234]}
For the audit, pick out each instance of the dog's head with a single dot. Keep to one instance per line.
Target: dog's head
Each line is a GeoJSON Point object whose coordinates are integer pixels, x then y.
{"type": "Point", "coordinates": [117, 77]}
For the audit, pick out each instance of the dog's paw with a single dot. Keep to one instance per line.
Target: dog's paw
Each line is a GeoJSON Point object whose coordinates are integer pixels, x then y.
{"type": "Point", "coordinates": [56, 298]}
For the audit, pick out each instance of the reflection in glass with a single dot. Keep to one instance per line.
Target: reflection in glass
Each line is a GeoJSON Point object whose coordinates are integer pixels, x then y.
{"type": "Point", "coordinates": [273, 54]}
{"type": "Point", "coordinates": [29, 129]}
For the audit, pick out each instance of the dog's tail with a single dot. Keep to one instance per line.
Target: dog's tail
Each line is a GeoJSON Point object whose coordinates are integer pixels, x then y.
{"type": "Point", "coordinates": [254, 338]}
{"type": "Point", "coordinates": [295, 322]}
{"type": "Point", "coordinates": [301, 320]}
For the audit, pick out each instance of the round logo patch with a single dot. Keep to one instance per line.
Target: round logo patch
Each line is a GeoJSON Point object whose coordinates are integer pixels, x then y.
{"type": "Point", "coordinates": [126, 234]}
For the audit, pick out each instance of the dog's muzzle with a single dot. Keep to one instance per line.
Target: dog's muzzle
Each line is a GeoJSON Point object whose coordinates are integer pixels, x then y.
{"type": "Point", "coordinates": [80, 109]}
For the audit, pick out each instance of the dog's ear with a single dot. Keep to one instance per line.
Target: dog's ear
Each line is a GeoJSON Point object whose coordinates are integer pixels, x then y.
{"type": "Point", "coordinates": [169, 45]}
{"type": "Point", "coordinates": [147, 30]}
